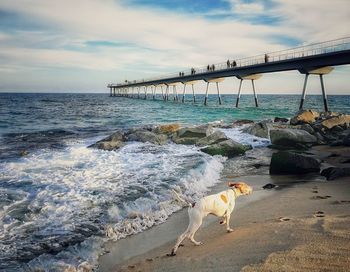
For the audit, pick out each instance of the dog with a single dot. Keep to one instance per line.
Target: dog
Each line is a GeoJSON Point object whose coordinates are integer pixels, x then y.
{"type": "Point", "coordinates": [220, 204]}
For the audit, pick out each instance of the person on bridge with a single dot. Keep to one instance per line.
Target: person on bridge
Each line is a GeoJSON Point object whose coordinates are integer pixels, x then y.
{"type": "Point", "coordinates": [208, 67]}
{"type": "Point", "coordinates": [228, 63]}
{"type": "Point", "coordinates": [266, 58]}
{"type": "Point", "coordinates": [234, 63]}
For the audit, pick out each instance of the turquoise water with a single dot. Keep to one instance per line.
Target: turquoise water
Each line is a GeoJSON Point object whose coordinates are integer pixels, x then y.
{"type": "Point", "coordinates": [58, 202]}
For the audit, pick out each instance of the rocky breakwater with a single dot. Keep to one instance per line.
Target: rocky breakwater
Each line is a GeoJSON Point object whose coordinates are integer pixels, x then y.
{"type": "Point", "coordinates": [292, 141]}
{"type": "Point", "coordinates": [205, 137]}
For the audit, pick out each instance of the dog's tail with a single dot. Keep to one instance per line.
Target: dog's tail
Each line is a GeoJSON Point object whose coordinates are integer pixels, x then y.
{"type": "Point", "coordinates": [178, 198]}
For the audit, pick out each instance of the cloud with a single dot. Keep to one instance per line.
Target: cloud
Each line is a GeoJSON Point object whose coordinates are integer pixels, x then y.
{"type": "Point", "coordinates": [129, 41]}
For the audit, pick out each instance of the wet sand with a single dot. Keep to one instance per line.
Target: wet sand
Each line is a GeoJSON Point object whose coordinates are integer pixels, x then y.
{"type": "Point", "coordinates": [301, 226]}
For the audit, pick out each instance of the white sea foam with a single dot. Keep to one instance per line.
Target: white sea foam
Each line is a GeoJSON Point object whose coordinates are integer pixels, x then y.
{"type": "Point", "coordinates": [78, 194]}
{"type": "Point", "coordinates": [237, 135]}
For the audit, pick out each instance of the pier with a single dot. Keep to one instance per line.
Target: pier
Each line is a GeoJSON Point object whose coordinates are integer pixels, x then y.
{"type": "Point", "coordinates": [317, 59]}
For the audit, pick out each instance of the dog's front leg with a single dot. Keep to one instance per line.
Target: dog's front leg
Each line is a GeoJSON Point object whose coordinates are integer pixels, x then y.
{"type": "Point", "coordinates": [228, 215]}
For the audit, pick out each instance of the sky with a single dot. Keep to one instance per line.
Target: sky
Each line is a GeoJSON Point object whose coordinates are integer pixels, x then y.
{"type": "Point", "coordinates": [82, 45]}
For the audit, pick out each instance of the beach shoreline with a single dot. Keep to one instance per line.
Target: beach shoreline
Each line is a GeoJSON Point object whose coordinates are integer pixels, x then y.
{"type": "Point", "coordinates": [277, 220]}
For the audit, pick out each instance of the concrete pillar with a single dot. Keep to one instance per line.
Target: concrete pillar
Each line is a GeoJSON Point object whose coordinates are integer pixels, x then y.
{"type": "Point", "coordinates": [304, 92]}
{"type": "Point", "coordinates": [325, 102]}
{"type": "Point", "coordinates": [154, 92]}
{"type": "Point", "coordinates": [206, 94]}
{"type": "Point", "coordinates": [138, 92]}
{"type": "Point", "coordinates": [193, 94]}
{"type": "Point", "coordinates": [219, 96]}
{"type": "Point", "coordinates": [239, 92]}
{"type": "Point", "coordinates": [255, 97]}
{"type": "Point", "coordinates": [161, 88]}
{"type": "Point", "coordinates": [183, 94]}
{"type": "Point", "coordinates": [145, 93]}
{"type": "Point", "coordinates": [176, 98]}
{"type": "Point", "coordinates": [167, 93]}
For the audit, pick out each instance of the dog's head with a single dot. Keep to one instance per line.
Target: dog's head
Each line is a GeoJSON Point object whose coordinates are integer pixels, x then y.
{"type": "Point", "coordinates": [243, 188]}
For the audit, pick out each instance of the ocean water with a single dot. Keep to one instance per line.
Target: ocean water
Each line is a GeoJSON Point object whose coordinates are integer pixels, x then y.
{"type": "Point", "coordinates": [62, 201]}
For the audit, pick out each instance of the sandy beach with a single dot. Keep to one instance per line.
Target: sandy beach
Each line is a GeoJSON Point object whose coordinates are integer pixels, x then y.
{"type": "Point", "coordinates": [301, 225]}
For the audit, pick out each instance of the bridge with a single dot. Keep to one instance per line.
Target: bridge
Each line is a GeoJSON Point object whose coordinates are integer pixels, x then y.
{"type": "Point", "coordinates": [314, 59]}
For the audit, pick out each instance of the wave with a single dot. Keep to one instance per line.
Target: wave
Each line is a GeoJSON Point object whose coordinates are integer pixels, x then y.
{"type": "Point", "coordinates": [60, 203]}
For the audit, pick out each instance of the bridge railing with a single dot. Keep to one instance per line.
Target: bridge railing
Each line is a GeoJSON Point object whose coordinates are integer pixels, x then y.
{"type": "Point", "coordinates": [293, 53]}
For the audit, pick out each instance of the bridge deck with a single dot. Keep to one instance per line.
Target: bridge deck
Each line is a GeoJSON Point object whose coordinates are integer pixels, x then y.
{"type": "Point", "coordinates": [303, 59]}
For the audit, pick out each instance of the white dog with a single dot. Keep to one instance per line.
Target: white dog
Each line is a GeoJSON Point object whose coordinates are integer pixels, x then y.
{"type": "Point", "coordinates": [221, 205]}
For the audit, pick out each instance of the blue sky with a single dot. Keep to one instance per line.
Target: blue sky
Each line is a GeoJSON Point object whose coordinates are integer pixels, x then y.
{"type": "Point", "coordinates": [82, 45]}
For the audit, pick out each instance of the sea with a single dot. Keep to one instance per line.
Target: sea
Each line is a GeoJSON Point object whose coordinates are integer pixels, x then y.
{"type": "Point", "coordinates": [60, 201]}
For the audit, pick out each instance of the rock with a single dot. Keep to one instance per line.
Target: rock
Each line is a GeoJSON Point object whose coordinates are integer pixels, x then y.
{"type": "Point", "coordinates": [24, 153]}
{"type": "Point", "coordinates": [185, 141]}
{"type": "Point", "coordinates": [112, 142]}
{"type": "Point", "coordinates": [291, 137]}
{"type": "Point", "coordinates": [269, 186]}
{"type": "Point", "coordinates": [280, 120]}
{"type": "Point", "coordinates": [339, 120]}
{"type": "Point", "coordinates": [260, 129]}
{"type": "Point", "coordinates": [332, 173]}
{"type": "Point", "coordinates": [285, 162]}
{"type": "Point", "coordinates": [242, 122]}
{"type": "Point", "coordinates": [144, 136]}
{"type": "Point", "coordinates": [320, 139]}
{"type": "Point", "coordinates": [105, 145]}
{"type": "Point", "coordinates": [194, 132]}
{"type": "Point", "coordinates": [167, 129]}
{"type": "Point", "coordinates": [228, 148]}
{"type": "Point", "coordinates": [216, 137]}
{"type": "Point", "coordinates": [307, 128]}
{"type": "Point", "coordinates": [190, 135]}
{"type": "Point", "coordinates": [346, 140]}
{"type": "Point", "coordinates": [304, 117]}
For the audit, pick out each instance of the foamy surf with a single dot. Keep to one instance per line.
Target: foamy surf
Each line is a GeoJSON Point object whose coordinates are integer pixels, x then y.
{"type": "Point", "coordinates": [60, 204]}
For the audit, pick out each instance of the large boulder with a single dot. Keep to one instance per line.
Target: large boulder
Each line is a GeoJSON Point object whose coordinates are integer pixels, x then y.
{"type": "Point", "coordinates": [144, 136]}
{"type": "Point", "coordinates": [340, 120]}
{"type": "Point", "coordinates": [285, 162]}
{"type": "Point", "coordinates": [260, 129]}
{"type": "Point", "coordinates": [227, 148]}
{"type": "Point", "coordinates": [167, 129]}
{"type": "Point", "coordinates": [216, 137]}
{"type": "Point", "coordinates": [112, 142]}
{"type": "Point", "coordinates": [190, 135]}
{"type": "Point", "coordinates": [194, 132]}
{"type": "Point", "coordinates": [346, 139]}
{"type": "Point", "coordinates": [291, 137]}
{"type": "Point", "coordinates": [304, 117]}
{"type": "Point", "coordinates": [242, 122]}
{"type": "Point", "coordinates": [332, 173]}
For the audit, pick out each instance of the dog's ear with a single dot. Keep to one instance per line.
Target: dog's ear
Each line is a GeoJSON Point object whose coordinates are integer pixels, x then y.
{"type": "Point", "coordinates": [233, 184]}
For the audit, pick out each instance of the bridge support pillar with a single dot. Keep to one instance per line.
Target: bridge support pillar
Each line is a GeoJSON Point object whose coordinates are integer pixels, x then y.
{"type": "Point", "coordinates": [206, 95]}
{"type": "Point", "coordinates": [145, 93]}
{"type": "Point", "coordinates": [193, 94]}
{"type": "Point", "coordinates": [154, 92]}
{"type": "Point", "coordinates": [255, 97]}
{"type": "Point", "coordinates": [320, 72]}
{"type": "Point", "coordinates": [252, 78]}
{"type": "Point", "coordinates": [183, 94]}
{"type": "Point", "coordinates": [239, 92]}
{"type": "Point", "coordinates": [166, 97]}
{"type": "Point", "coordinates": [176, 97]}
{"type": "Point", "coordinates": [138, 92]}
{"type": "Point", "coordinates": [219, 96]}
{"type": "Point", "coordinates": [114, 91]}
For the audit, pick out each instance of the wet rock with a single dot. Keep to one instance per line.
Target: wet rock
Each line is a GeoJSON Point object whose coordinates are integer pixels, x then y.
{"type": "Point", "coordinates": [285, 162]}
{"type": "Point", "coordinates": [346, 140]}
{"type": "Point", "coordinates": [269, 186]}
{"type": "Point", "coordinates": [147, 136]}
{"type": "Point", "coordinates": [24, 153]}
{"type": "Point", "coordinates": [339, 120]}
{"type": "Point", "coordinates": [280, 120]}
{"type": "Point", "coordinates": [167, 129]}
{"type": "Point", "coordinates": [304, 117]}
{"type": "Point", "coordinates": [239, 123]}
{"type": "Point", "coordinates": [216, 137]}
{"type": "Point", "coordinates": [228, 148]}
{"type": "Point", "coordinates": [332, 173]}
{"type": "Point", "coordinates": [112, 142]}
{"type": "Point", "coordinates": [190, 135]}
{"type": "Point", "coordinates": [194, 132]}
{"type": "Point", "coordinates": [293, 138]}
{"type": "Point", "coordinates": [260, 129]}
{"type": "Point", "coordinates": [307, 128]}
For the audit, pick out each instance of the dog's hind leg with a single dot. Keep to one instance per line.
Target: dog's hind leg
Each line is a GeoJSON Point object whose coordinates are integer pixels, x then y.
{"type": "Point", "coordinates": [194, 226]}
